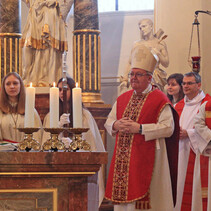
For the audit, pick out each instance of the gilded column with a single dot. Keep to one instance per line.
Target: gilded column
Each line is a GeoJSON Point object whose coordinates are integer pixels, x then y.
{"type": "Point", "coordinates": [86, 50]}
{"type": "Point", "coordinates": [10, 34]}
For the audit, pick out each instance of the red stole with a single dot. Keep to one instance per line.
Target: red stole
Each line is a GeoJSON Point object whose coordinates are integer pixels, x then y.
{"type": "Point", "coordinates": [179, 106]}
{"type": "Point", "coordinates": [208, 114]}
{"type": "Point", "coordinates": [188, 188]}
{"type": "Point", "coordinates": [132, 164]}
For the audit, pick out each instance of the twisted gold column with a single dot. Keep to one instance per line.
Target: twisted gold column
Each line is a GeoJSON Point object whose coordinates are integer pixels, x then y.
{"type": "Point", "coordinates": [10, 53]}
{"type": "Point", "coordinates": [86, 54]}
{"type": "Point", "coordinates": [10, 35]}
{"type": "Point", "coordinates": [86, 50]}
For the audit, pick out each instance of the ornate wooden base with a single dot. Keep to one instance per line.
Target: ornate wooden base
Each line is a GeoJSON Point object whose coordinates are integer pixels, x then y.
{"type": "Point", "coordinates": [47, 180]}
{"type": "Point", "coordinates": [99, 111]}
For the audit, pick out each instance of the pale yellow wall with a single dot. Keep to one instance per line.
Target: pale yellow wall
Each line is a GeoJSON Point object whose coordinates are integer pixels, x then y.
{"type": "Point", "coordinates": [175, 18]}
{"type": "Point", "coordinates": [206, 47]}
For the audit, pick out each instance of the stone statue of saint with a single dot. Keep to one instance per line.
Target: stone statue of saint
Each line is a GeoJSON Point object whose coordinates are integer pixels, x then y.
{"type": "Point", "coordinates": [44, 40]}
{"type": "Point", "coordinates": [157, 46]}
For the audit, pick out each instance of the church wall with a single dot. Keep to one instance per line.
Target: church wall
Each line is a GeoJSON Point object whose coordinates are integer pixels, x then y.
{"type": "Point", "coordinates": [118, 32]}
{"type": "Point", "coordinates": [176, 18]}
{"type": "Point", "coordinates": [206, 46]}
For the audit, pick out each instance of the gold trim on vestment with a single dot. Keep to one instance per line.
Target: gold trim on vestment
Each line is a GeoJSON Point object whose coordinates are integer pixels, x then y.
{"type": "Point", "coordinates": [162, 110]}
{"type": "Point", "coordinates": [204, 192]}
{"type": "Point", "coordinates": [123, 151]}
{"type": "Point", "coordinates": [208, 114]}
{"type": "Point", "coordinates": [142, 205]}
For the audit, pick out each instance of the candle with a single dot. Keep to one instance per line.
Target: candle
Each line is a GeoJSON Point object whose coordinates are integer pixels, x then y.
{"type": "Point", "coordinates": [54, 107]}
{"type": "Point", "coordinates": [77, 107]}
{"type": "Point", "coordinates": [29, 106]}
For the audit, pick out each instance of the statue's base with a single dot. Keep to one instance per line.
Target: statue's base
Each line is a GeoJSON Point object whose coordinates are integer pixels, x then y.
{"type": "Point", "coordinates": [89, 97]}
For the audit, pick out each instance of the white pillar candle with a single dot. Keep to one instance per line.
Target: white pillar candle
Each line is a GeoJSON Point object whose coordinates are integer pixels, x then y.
{"type": "Point", "coordinates": [77, 107]}
{"type": "Point", "coordinates": [29, 106]}
{"type": "Point", "coordinates": [54, 107]}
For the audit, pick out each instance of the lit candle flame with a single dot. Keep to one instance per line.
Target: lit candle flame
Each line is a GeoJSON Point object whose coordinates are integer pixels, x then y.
{"type": "Point", "coordinates": [76, 85]}
{"type": "Point", "coordinates": [31, 84]}
{"type": "Point", "coordinates": [54, 84]}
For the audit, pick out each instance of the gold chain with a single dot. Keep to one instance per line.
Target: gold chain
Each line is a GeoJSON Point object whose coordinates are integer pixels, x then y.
{"type": "Point", "coordinates": [15, 119]}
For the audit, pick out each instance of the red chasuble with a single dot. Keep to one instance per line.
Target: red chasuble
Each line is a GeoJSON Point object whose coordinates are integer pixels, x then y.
{"type": "Point", "coordinates": [188, 188]}
{"type": "Point", "coordinates": [133, 160]}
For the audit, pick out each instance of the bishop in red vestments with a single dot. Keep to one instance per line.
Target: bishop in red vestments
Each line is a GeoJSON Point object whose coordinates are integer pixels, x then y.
{"type": "Point", "coordinates": [143, 171]}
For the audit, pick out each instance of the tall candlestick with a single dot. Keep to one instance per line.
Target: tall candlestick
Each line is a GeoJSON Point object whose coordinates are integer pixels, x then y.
{"type": "Point", "coordinates": [77, 107]}
{"type": "Point", "coordinates": [29, 106]}
{"type": "Point", "coordinates": [54, 107]}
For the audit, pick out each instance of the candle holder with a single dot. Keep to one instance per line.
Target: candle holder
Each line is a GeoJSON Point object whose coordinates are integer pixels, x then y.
{"type": "Point", "coordinates": [53, 144]}
{"type": "Point", "coordinates": [77, 141]}
{"type": "Point", "coordinates": [29, 142]}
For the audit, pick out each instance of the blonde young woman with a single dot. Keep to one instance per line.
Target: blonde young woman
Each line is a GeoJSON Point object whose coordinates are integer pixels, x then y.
{"type": "Point", "coordinates": [12, 110]}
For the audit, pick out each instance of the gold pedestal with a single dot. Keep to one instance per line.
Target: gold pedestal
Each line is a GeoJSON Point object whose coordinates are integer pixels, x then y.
{"type": "Point", "coordinates": [29, 143]}
{"type": "Point", "coordinates": [77, 142]}
{"type": "Point", "coordinates": [53, 144]}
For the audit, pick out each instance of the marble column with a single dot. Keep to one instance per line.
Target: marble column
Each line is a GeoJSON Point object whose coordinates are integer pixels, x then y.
{"type": "Point", "coordinates": [10, 34]}
{"type": "Point", "coordinates": [86, 50]}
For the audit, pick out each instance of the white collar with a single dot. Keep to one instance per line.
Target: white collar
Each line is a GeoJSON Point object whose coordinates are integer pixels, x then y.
{"type": "Point", "coordinates": [197, 99]}
{"type": "Point", "coordinates": [148, 89]}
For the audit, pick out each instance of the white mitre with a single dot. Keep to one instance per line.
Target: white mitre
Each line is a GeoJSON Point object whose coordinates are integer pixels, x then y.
{"type": "Point", "coordinates": [143, 58]}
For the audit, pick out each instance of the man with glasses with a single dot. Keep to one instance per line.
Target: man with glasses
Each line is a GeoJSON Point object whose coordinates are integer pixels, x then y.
{"type": "Point", "coordinates": [189, 140]}
{"type": "Point", "coordinates": [143, 170]}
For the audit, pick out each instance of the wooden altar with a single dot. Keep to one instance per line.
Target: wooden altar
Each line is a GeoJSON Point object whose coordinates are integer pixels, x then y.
{"type": "Point", "coordinates": [52, 181]}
